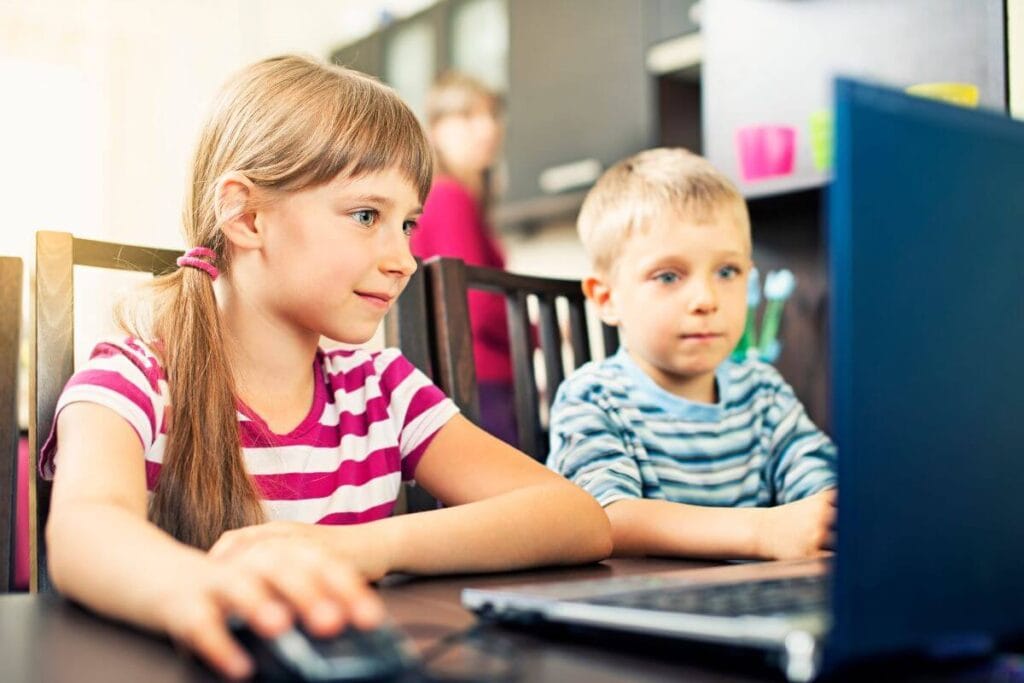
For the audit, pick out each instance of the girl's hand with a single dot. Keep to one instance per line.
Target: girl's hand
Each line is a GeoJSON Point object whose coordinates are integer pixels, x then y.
{"type": "Point", "coordinates": [798, 530]}
{"type": "Point", "coordinates": [268, 585]}
{"type": "Point", "coordinates": [362, 546]}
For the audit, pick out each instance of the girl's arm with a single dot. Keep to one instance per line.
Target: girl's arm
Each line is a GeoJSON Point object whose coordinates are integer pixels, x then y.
{"type": "Point", "coordinates": [105, 554]}
{"type": "Point", "coordinates": [503, 511]}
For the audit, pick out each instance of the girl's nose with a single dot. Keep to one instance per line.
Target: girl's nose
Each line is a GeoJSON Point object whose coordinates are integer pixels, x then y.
{"type": "Point", "coordinates": [398, 258]}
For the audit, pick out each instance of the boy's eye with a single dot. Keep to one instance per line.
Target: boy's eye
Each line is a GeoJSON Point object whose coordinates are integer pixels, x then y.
{"type": "Point", "coordinates": [365, 217]}
{"type": "Point", "coordinates": [409, 227]}
{"type": "Point", "coordinates": [667, 278]}
{"type": "Point", "coordinates": [728, 272]}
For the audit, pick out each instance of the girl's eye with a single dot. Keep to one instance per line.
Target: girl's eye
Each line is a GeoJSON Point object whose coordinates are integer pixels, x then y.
{"type": "Point", "coordinates": [667, 278]}
{"type": "Point", "coordinates": [728, 272]}
{"type": "Point", "coordinates": [365, 217]}
{"type": "Point", "coordinates": [409, 227]}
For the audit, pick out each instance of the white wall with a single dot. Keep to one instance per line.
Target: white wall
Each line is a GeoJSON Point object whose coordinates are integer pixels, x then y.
{"type": "Point", "coordinates": [110, 95]}
{"type": "Point", "coordinates": [102, 104]}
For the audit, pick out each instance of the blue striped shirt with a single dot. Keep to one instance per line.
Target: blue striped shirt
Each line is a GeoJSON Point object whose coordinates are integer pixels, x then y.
{"type": "Point", "coordinates": [619, 435]}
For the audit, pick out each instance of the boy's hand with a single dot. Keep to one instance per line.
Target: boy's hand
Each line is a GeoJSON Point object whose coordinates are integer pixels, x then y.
{"type": "Point", "coordinates": [269, 585]}
{"type": "Point", "coordinates": [798, 530]}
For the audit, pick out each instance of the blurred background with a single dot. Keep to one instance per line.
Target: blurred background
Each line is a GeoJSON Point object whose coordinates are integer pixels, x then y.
{"type": "Point", "coordinates": [103, 101]}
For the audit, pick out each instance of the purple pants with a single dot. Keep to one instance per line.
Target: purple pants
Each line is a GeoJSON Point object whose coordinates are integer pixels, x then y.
{"type": "Point", "coordinates": [498, 410]}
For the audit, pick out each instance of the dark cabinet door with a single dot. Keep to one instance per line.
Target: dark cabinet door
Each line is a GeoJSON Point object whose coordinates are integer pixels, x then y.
{"type": "Point", "coordinates": [364, 55]}
{"type": "Point", "coordinates": [577, 89]}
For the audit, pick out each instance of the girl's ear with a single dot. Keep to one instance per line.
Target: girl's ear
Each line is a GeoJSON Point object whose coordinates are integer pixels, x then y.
{"type": "Point", "coordinates": [233, 201]}
{"type": "Point", "coordinates": [598, 290]}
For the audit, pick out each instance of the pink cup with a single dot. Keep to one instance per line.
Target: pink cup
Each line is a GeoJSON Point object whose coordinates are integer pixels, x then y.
{"type": "Point", "coordinates": [765, 151]}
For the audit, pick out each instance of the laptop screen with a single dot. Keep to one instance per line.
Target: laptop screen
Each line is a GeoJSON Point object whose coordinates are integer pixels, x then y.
{"type": "Point", "coordinates": [926, 249]}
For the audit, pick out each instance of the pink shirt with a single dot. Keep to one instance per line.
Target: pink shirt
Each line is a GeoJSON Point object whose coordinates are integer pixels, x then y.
{"type": "Point", "coordinates": [451, 225]}
{"type": "Point", "coordinates": [372, 417]}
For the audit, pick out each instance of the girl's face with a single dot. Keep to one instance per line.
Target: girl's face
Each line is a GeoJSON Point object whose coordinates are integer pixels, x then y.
{"type": "Point", "coordinates": [469, 141]}
{"type": "Point", "coordinates": [336, 256]}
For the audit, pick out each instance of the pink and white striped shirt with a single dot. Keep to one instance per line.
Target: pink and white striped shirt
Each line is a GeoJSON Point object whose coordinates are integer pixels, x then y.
{"type": "Point", "coordinates": [372, 418]}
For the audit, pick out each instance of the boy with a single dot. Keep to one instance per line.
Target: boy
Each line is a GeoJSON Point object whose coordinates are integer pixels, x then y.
{"type": "Point", "coordinates": [689, 454]}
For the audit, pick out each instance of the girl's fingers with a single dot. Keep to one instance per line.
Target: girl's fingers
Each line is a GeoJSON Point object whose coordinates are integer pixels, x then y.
{"type": "Point", "coordinates": [303, 587]}
{"type": "Point", "coordinates": [202, 629]}
{"type": "Point", "coordinates": [252, 599]}
{"type": "Point", "coordinates": [349, 588]}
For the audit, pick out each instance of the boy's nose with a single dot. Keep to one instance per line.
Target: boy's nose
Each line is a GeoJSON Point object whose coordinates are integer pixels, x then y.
{"type": "Point", "coordinates": [703, 298]}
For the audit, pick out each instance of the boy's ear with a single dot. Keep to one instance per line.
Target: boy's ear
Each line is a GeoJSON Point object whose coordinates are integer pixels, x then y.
{"type": "Point", "coordinates": [232, 199]}
{"type": "Point", "coordinates": [597, 290]}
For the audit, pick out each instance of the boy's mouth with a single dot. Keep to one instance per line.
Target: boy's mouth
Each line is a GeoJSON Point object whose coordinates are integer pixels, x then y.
{"type": "Point", "coordinates": [701, 336]}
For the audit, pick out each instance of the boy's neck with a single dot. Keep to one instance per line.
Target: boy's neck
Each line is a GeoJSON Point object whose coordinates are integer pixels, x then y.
{"type": "Point", "coordinates": [700, 388]}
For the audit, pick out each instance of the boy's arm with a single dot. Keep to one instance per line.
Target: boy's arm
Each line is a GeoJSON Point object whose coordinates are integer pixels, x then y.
{"type": "Point", "coordinates": [590, 446]}
{"type": "Point", "coordinates": [659, 527]}
{"type": "Point", "coordinates": [802, 460]}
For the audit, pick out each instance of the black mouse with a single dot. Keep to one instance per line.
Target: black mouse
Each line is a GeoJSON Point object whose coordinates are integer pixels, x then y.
{"type": "Point", "coordinates": [381, 654]}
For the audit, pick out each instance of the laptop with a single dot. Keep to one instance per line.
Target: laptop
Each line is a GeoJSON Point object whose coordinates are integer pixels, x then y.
{"type": "Point", "coordinates": [926, 261]}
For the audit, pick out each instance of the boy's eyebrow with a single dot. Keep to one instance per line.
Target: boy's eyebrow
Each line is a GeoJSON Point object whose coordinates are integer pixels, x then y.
{"type": "Point", "coordinates": [675, 258]}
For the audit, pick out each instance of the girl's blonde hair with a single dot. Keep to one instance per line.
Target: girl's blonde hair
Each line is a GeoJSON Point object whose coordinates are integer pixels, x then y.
{"type": "Point", "coordinates": [286, 124]}
{"type": "Point", "coordinates": [649, 186]}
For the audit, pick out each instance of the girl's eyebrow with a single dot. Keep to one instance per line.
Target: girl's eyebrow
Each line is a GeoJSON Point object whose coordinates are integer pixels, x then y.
{"type": "Point", "coordinates": [380, 200]}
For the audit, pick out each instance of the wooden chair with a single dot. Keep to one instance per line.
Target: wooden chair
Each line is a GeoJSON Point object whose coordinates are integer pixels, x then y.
{"type": "Point", "coordinates": [10, 338]}
{"type": "Point", "coordinates": [449, 281]}
{"type": "Point", "coordinates": [53, 354]}
{"type": "Point", "coordinates": [408, 327]}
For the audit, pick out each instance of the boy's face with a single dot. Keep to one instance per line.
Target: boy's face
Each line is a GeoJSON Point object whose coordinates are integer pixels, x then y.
{"type": "Point", "coordinates": [678, 294]}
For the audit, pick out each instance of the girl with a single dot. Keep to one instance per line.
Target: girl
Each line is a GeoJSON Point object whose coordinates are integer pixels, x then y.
{"type": "Point", "coordinates": [464, 125]}
{"type": "Point", "coordinates": [227, 464]}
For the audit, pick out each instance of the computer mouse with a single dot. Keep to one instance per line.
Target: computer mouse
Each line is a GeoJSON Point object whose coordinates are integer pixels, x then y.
{"type": "Point", "coordinates": [381, 654]}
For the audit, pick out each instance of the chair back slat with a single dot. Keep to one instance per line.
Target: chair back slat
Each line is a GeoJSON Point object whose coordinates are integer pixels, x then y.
{"type": "Point", "coordinates": [449, 281]}
{"type": "Point", "coordinates": [53, 351]}
{"type": "Point", "coordinates": [407, 325]}
{"type": "Point", "coordinates": [550, 344]}
{"type": "Point", "coordinates": [10, 341]}
{"type": "Point", "coordinates": [579, 335]}
{"type": "Point", "coordinates": [115, 256]}
{"type": "Point", "coordinates": [456, 371]}
{"type": "Point", "coordinates": [524, 383]}
{"type": "Point", "coordinates": [610, 337]}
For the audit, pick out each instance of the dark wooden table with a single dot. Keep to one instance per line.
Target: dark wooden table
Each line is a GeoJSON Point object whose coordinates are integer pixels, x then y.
{"type": "Point", "coordinates": [46, 638]}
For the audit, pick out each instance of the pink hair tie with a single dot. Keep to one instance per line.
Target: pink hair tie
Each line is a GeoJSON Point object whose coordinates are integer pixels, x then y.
{"type": "Point", "coordinates": [193, 258]}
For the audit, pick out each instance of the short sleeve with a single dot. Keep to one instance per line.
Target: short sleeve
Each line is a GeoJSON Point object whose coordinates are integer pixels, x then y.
{"type": "Point", "coordinates": [123, 376]}
{"type": "Point", "coordinates": [590, 443]}
{"type": "Point", "coordinates": [803, 458]}
{"type": "Point", "coordinates": [418, 408]}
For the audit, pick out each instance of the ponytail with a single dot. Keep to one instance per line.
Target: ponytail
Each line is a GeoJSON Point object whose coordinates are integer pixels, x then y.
{"type": "Point", "coordinates": [203, 489]}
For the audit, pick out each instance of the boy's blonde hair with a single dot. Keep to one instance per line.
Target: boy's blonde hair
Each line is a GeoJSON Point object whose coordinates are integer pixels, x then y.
{"type": "Point", "coordinates": [643, 188]}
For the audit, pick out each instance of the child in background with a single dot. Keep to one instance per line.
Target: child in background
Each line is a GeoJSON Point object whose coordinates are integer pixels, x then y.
{"type": "Point", "coordinates": [219, 462]}
{"type": "Point", "coordinates": [464, 125]}
{"type": "Point", "coordinates": [689, 453]}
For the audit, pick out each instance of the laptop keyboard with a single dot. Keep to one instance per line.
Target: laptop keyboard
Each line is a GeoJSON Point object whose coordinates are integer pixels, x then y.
{"type": "Point", "coordinates": [796, 595]}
